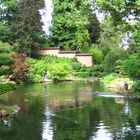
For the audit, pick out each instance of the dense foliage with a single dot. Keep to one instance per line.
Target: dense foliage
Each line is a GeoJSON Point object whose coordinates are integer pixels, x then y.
{"type": "Point", "coordinates": [132, 66]}
{"type": "Point", "coordinates": [120, 10]}
{"type": "Point", "coordinates": [74, 25]}
{"type": "Point", "coordinates": [121, 23]}
{"type": "Point", "coordinates": [112, 57]}
{"type": "Point", "coordinates": [27, 25]}
{"type": "Point", "coordinates": [69, 24]}
{"type": "Point", "coordinates": [6, 9]}
{"type": "Point", "coordinates": [56, 69]}
{"type": "Point", "coordinates": [6, 59]}
{"type": "Point", "coordinates": [21, 24]}
{"type": "Point", "coordinates": [97, 54]}
{"type": "Point", "coordinates": [6, 62]}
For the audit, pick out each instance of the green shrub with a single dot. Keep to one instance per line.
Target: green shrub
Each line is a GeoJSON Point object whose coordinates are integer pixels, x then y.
{"type": "Point", "coordinates": [96, 54]}
{"type": "Point", "coordinates": [2, 79]}
{"type": "Point", "coordinates": [31, 78]}
{"type": "Point", "coordinates": [4, 70]}
{"type": "Point", "coordinates": [4, 87]}
{"type": "Point", "coordinates": [76, 66]}
{"type": "Point", "coordinates": [82, 74]}
{"type": "Point", "coordinates": [55, 67]}
{"type": "Point", "coordinates": [6, 59]}
{"type": "Point", "coordinates": [81, 68]}
{"type": "Point", "coordinates": [109, 78]}
{"type": "Point", "coordinates": [37, 67]}
{"type": "Point", "coordinates": [132, 67]}
{"type": "Point", "coordinates": [5, 47]}
{"type": "Point", "coordinates": [59, 70]}
{"type": "Point", "coordinates": [38, 78]}
{"type": "Point", "coordinates": [114, 55]}
{"type": "Point", "coordinates": [98, 71]}
{"type": "Point", "coordinates": [120, 68]}
{"type": "Point", "coordinates": [136, 86]}
{"type": "Point", "coordinates": [85, 69]}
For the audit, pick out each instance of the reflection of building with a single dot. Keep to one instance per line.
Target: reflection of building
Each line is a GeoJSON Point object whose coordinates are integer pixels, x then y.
{"type": "Point", "coordinates": [77, 99]}
{"type": "Point", "coordinates": [119, 100]}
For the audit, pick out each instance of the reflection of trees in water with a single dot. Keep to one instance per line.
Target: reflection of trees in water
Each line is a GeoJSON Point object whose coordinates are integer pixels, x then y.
{"type": "Point", "coordinates": [72, 94]}
{"type": "Point", "coordinates": [26, 126]}
{"type": "Point", "coordinates": [28, 123]}
{"type": "Point", "coordinates": [130, 125]}
{"type": "Point", "coordinates": [129, 128]}
{"type": "Point", "coordinates": [118, 121]}
{"type": "Point", "coordinates": [95, 120]}
{"type": "Point", "coordinates": [71, 123]}
{"type": "Point", "coordinates": [101, 119]}
{"type": "Point", "coordinates": [77, 115]}
{"type": "Point", "coordinates": [119, 100]}
{"type": "Point", "coordinates": [71, 118]}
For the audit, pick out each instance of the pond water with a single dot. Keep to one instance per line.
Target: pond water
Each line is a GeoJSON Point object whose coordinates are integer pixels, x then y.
{"type": "Point", "coordinates": [70, 111]}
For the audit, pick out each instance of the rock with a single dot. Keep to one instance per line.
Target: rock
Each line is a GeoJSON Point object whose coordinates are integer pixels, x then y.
{"type": "Point", "coordinates": [11, 110]}
{"type": "Point", "coordinates": [16, 107]}
{"type": "Point", "coordinates": [131, 90]}
{"type": "Point", "coordinates": [3, 113]}
{"type": "Point", "coordinates": [26, 100]}
{"type": "Point", "coordinates": [2, 101]}
{"type": "Point", "coordinates": [120, 86]}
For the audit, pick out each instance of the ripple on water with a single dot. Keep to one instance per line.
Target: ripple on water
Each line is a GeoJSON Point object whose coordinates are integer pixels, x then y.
{"type": "Point", "coordinates": [102, 133]}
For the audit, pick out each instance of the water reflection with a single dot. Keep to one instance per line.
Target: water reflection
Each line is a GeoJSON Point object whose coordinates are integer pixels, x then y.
{"type": "Point", "coordinates": [126, 106]}
{"type": "Point", "coordinates": [47, 133]}
{"type": "Point", "coordinates": [127, 109]}
{"type": "Point", "coordinates": [70, 111]}
{"type": "Point", "coordinates": [102, 133]}
{"type": "Point", "coordinates": [120, 100]}
{"type": "Point", "coordinates": [71, 101]}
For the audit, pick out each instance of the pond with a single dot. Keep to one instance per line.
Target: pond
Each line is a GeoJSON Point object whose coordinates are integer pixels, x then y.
{"type": "Point", "coordinates": [70, 111]}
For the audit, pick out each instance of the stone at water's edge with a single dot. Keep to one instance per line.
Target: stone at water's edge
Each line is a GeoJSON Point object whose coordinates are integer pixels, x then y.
{"type": "Point", "coordinates": [11, 111]}
{"type": "Point", "coordinates": [3, 113]}
{"type": "Point", "coordinates": [120, 86]}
